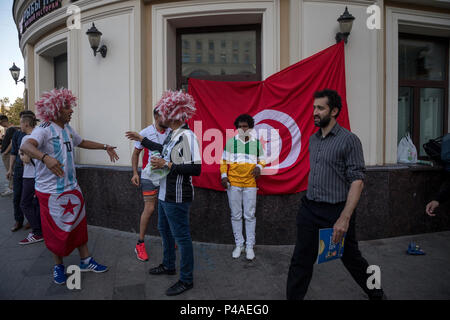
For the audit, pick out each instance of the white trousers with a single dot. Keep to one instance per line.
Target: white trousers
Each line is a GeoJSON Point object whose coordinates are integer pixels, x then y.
{"type": "Point", "coordinates": [243, 199]}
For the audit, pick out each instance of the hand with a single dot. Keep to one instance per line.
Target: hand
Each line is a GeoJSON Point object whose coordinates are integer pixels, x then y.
{"type": "Point", "coordinates": [339, 228]}
{"type": "Point", "coordinates": [157, 163]}
{"type": "Point", "coordinates": [25, 158]}
{"type": "Point", "coordinates": [9, 175]}
{"type": "Point", "coordinates": [431, 206]}
{"type": "Point", "coordinates": [256, 172]}
{"type": "Point", "coordinates": [225, 182]}
{"type": "Point", "coordinates": [134, 136]}
{"type": "Point", "coordinates": [112, 153]}
{"type": "Point", "coordinates": [54, 165]}
{"type": "Point", "coordinates": [135, 180]}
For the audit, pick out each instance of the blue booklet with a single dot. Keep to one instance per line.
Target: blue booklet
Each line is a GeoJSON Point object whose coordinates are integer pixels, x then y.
{"type": "Point", "coordinates": [327, 249]}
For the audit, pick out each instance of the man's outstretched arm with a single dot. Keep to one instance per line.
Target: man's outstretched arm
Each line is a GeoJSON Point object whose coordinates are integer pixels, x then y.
{"type": "Point", "coordinates": [92, 145]}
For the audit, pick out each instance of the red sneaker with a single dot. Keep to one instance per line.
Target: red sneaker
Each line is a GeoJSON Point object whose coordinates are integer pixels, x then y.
{"type": "Point", "coordinates": [32, 238]}
{"type": "Point", "coordinates": [140, 252]}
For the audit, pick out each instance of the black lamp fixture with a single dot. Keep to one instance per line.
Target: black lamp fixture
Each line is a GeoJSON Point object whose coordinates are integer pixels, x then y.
{"type": "Point", "coordinates": [94, 39]}
{"type": "Point", "coordinates": [345, 25]}
{"type": "Point", "coordinates": [15, 73]}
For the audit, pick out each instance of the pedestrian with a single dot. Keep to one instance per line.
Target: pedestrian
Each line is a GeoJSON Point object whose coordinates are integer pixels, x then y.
{"type": "Point", "coordinates": [335, 184]}
{"type": "Point", "coordinates": [157, 133]}
{"type": "Point", "coordinates": [29, 202]}
{"type": "Point", "coordinates": [61, 201]}
{"type": "Point", "coordinates": [15, 171]}
{"type": "Point", "coordinates": [5, 151]}
{"type": "Point", "coordinates": [181, 158]}
{"type": "Point", "coordinates": [242, 162]}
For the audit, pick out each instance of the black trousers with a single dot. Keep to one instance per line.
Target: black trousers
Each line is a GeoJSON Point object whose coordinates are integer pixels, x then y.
{"type": "Point", "coordinates": [17, 194]}
{"type": "Point", "coordinates": [313, 216]}
{"type": "Point", "coordinates": [30, 206]}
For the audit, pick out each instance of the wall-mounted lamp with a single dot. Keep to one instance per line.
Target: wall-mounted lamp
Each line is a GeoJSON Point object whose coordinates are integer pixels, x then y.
{"type": "Point", "coordinates": [15, 73]}
{"type": "Point", "coordinates": [345, 25]}
{"type": "Point", "coordinates": [94, 39]}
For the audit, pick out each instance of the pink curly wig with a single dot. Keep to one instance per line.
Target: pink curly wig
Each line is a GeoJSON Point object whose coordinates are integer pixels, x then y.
{"type": "Point", "coordinates": [51, 102]}
{"type": "Point", "coordinates": [176, 105]}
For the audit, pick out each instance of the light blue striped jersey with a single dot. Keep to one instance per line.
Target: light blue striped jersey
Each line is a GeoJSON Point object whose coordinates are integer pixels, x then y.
{"type": "Point", "coordinates": [58, 143]}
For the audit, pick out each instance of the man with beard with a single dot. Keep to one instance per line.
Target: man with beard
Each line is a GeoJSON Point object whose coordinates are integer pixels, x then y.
{"type": "Point", "coordinates": [334, 187]}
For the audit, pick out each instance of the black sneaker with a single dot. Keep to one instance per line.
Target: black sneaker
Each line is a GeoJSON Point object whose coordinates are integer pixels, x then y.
{"type": "Point", "coordinates": [179, 288]}
{"type": "Point", "coordinates": [161, 269]}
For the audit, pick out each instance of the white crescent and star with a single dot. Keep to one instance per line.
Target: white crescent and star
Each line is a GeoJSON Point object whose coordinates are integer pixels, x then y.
{"type": "Point", "coordinates": [274, 143]}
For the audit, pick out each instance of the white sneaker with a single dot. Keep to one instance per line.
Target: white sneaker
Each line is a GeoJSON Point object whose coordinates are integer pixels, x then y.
{"type": "Point", "coordinates": [237, 251]}
{"type": "Point", "coordinates": [250, 254]}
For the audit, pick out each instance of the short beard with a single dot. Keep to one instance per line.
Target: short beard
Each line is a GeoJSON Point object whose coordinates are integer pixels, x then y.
{"type": "Point", "coordinates": [323, 122]}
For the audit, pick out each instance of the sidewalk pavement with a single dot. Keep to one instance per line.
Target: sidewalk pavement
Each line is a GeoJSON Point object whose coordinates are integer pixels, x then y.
{"type": "Point", "coordinates": [26, 271]}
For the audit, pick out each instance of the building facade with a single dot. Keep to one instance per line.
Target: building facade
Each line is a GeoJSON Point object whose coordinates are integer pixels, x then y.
{"type": "Point", "coordinates": [397, 71]}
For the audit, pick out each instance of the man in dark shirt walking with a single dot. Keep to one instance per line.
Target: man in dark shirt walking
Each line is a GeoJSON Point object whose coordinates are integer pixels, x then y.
{"type": "Point", "coordinates": [334, 187]}
{"type": "Point", "coordinates": [6, 149]}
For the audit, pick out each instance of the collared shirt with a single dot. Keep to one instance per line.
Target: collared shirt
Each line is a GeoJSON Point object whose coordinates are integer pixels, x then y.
{"type": "Point", "coordinates": [335, 162]}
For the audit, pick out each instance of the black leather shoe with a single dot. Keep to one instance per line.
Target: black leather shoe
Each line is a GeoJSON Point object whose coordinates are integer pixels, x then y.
{"type": "Point", "coordinates": [179, 288]}
{"type": "Point", "coordinates": [161, 269]}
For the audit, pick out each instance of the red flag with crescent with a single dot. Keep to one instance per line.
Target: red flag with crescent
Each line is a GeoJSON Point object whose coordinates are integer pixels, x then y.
{"type": "Point", "coordinates": [63, 220]}
{"type": "Point", "coordinates": [282, 106]}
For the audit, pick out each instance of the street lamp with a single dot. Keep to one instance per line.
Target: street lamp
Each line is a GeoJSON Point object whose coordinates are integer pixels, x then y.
{"type": "Point", "coordinates": [15, 73]}
{"type": "Point", "coordinates": [94, 37]}
{"type": "Point", "coordinates": [345, 25]}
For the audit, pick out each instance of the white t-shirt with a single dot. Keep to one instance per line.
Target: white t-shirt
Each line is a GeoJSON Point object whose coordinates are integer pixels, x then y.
{"type": "Point", "coordinates": [152, 134]}
{"type": "Point", "coordinates": [57, 143]}
{"type": "Point", "coordinates": [28, 168]}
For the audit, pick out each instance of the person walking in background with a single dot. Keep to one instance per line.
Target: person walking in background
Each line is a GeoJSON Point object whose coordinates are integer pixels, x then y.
{"type": "Point", "coordinates": [61, 201]}
{"type": "Point", "coordinates": [181, 158]}
{"type": "Point", "coordinates": [242, 162]}
{"type": "Point", "coordinates": [15, 171]}
{"type": "Point", "coordinates": [5, 151]}
{"type": "Point", "coordinates": [157, 133]}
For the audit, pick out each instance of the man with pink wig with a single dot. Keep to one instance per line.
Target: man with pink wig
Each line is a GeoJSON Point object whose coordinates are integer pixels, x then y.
{"type": "Point", "coordinates": [61, 201]}
{"type": "Point", "coordinates": [181, 157]}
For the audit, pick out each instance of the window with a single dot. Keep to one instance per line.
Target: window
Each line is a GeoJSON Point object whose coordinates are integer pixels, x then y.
{"type": "Point", "coordinates": [60, 70]}
{"type": "Point", "coordinates": [225, 64]}
{"type": "Point", "coordinates": [423, 88]}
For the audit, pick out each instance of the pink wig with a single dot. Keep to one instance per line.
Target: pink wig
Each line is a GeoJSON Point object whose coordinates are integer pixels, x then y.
{"type": "Point", "coordinates": [176, 105]}
{"type": "Point", "coordinates": [51, 102]}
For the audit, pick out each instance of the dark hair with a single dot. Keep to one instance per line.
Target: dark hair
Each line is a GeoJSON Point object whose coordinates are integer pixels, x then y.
{"type": "Point", "coordinates": [245, 118]}
{"type": "Point", "coordinates": [156, 112]}
{"type": "Point", "coordinates": [29, 117]}
{"type": "Point", "coordinates": [3, 118]}
{"type": "Point", "coordinates": [334, 100]}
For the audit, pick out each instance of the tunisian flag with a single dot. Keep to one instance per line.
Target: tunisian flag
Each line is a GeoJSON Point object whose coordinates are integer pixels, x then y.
{"type": "Point", "coordinates": [282, 106]}
{"type": "Point", "coordinates": [63, 220]}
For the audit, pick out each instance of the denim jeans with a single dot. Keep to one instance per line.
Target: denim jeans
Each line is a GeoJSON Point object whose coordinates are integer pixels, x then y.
{"type": "Point", "coordinates": [173, 225]}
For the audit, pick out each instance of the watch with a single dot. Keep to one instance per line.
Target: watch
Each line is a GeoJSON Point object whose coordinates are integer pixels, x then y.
{"type": "Point", "coordinates": [105, 146]}
{"type": "Point", "coordinates": [166, 166]}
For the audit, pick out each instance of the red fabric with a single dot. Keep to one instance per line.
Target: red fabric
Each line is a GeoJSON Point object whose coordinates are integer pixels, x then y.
{"type": "Point", "coordinates": [67, 211]}
{"type": "Point", "coordinates": [145, 158]}
{"type": "Point", "coordinates": [289, 91]}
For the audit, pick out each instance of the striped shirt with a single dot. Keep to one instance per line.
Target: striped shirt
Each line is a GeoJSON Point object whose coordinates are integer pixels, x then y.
{"type": "Point", "coordinates": [335, 162]}
{"type": "Point", "coordinates": [58, 143]}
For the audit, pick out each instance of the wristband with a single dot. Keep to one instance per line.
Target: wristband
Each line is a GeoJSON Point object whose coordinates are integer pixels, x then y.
{"type": "Point", "coordinates": [105, 146]}
{"type": "Point", "coordinates": [42, 159]}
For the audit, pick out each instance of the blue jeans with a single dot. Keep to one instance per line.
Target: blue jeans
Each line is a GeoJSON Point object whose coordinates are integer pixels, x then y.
{"type": "Point", "coordinates": [173, 225]}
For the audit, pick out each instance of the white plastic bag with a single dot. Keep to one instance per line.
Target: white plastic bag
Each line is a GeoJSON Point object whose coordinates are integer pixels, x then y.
{"type": "Point", "coordinates": [406, 151]}
{"type": "Point", "coordinates": [154, 175]}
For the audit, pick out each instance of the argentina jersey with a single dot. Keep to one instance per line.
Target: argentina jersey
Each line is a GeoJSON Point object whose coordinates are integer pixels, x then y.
{"type": "Point", "coordinates": [58, 143]}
